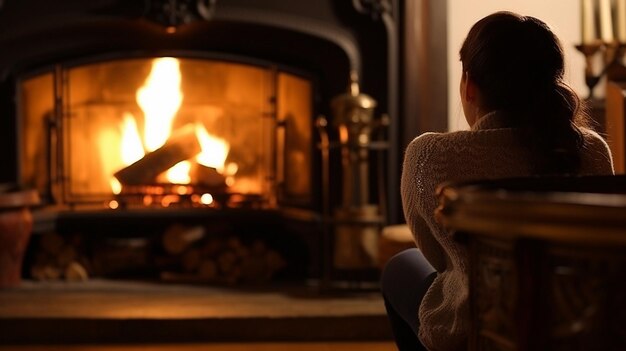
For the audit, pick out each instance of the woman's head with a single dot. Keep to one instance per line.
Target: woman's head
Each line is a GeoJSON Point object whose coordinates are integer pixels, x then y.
{"type": "Point", "coordinates": [512, 59]}
{"type": "Point", "coordinates": [516, 65]}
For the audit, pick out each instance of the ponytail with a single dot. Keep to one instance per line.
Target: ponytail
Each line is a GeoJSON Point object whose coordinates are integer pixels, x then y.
{"type": "Point", "coordinates": [551, 131]}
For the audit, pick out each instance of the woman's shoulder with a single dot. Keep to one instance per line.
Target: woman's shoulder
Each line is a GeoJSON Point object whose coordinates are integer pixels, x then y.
{"type": "Point", "coordinates": [432, 155]}
{"type": "Point", "coordinates": [596, 154]}
{"type": "Point", "coordinates": [594, 141]}
{"type": "Point", "coordinates": [591, 135]}
{"type": "Point", "coordinates": [430, 140]}
{"type": "Point", "coordinates": [422, 153]}
{"type": "Point", "coordinates": [425, 146]}
{"type": "Point", "coordinates": [432, 143]}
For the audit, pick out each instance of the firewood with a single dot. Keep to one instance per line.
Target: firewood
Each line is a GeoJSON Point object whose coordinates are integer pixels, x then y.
{"type": "Point", "coordinates": [207, 270]}
{"type": "Point", "coordinates": [208, 176]}
{"type": "Point", "coordinates": [274, 261]}
{"type": "Point", "coordinates": [165, 261]}
{"type": "Point", "coordinates": [37, 272]}
{"type": "Point", "coordinates": [233, 276]}
{"type": "Point", "coordinates": [211, 247]}
{"type": "Point", "coordinates": [233, 242]}
{"type": "Point", "coordinates": [181, 146]}
{"type": "Point", "coordinates": [75, 272]}
{"type": "Point", "coordinates": [180, 278]}
{"type": "Point", "coordinates": [191, 259]}
{"type": "Point", "coordinates": [242, 252]}
{"type": "Point", "coordinates": [177, 238]}
{"type": "Point", "coordinates": [226, 261]}
{"type": "Point", "coordinates": [45, 272]}
{"type": "Point", "coordinates": [51, 243]}
{"type": "Point", "coordinates": [66, 256]}
{"type": "Point", "coordinates": [254, 269]}
{"type": "Point", "coordinates": [42, 258]}
{"type": "Point", "coordinates": [258, 247]}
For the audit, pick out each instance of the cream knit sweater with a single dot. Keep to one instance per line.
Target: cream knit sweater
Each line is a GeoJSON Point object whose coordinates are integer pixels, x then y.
{"type": "Point", "coordinates": [488, 151]}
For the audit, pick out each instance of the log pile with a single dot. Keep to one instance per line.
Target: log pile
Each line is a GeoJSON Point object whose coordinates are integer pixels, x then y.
{"type": "Point", "coordinates": [127, 256]}
{"type": "Point", "coordinates": [223, 260]}
{"type": "Point", "coordinates": [183, 254]}
{"type": "Point", "coordinates": [58, 258]}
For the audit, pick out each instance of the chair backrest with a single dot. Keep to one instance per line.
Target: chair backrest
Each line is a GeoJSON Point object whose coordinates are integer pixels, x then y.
{"type": "Point", "coordinates": [547, 260]}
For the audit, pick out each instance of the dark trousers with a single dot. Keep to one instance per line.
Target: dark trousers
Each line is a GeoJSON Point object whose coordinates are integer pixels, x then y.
{"type": "Point", "coordinates": [405, 279]}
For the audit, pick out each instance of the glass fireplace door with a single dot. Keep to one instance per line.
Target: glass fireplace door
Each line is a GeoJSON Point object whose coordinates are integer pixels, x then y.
{"type": "Point", "coordinates": [142, 127]}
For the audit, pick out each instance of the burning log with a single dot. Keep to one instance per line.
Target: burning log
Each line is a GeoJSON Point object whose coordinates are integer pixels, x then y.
{"type": "Point", "coordinates": [208, 176]}
{"type": "Point", "coordinates": [181, 146]}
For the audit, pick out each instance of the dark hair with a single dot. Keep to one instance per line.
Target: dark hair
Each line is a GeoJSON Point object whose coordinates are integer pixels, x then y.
{"type": "Point", "coordinates": [517, 63]}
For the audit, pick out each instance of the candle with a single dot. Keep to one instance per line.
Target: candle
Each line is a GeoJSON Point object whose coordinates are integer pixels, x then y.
{"type": "Point", "coordinates": [621, 20]}
{"type": "Point", "coordinates": [606, 21]}
{"type": "Point", "coordinates": [588, 25]}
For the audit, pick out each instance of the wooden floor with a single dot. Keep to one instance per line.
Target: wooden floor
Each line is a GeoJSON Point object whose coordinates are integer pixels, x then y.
{"type": "Point", "coordinates": [114, 312]}
{"type": "Point", "coordinates": [132, 299]}
{"type": "Point", "coordinates": [314, 346]}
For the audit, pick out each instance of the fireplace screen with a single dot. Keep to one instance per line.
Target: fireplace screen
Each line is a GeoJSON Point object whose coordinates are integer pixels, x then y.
{"type": "Point", "coordinates": [162, 131]}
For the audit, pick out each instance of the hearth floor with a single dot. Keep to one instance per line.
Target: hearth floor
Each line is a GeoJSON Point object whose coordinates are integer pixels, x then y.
{"type": "Point", "coordinates": [104, 311]}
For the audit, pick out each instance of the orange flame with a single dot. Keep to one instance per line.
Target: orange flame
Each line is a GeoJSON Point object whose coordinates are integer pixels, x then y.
{"type": "Point", "coordinates": [132, 150]}
{"type": "Point", "coordinates": [179, 174]}
{"type": "Point", "coordinates": [214, 149]}
{"type": "Point", "coordinates": [160, 98]}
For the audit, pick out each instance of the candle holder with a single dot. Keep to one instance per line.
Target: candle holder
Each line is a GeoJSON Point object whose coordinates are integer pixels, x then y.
{"type": "Point", "coordinates": [613, 52]}
{"type": "Point", "coordinates": [591, 79]}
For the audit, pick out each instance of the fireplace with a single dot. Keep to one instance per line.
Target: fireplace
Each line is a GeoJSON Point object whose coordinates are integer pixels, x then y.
{"type": "Point", "coordinates": [245, 111]}
{"type": "Point", "coordinates": [185, 138]}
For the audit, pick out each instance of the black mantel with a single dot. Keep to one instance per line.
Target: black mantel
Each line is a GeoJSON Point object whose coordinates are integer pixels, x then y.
{"type": "Point", "coordinates": [403, 66]}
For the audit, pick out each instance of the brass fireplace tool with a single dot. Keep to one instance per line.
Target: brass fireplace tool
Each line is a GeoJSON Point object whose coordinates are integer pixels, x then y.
{"type": "Point", "coordinates": [358, 219]}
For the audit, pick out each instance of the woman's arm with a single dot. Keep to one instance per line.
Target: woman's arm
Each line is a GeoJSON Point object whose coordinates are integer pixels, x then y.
{"type": "Point", "coordinates": [417, 192]}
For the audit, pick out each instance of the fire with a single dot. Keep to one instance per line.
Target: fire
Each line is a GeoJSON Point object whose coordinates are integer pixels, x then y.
{"type": "Point", "coordinates": [214, 150]}
{"type": "Point", "coordinates": [130, 145]}
{"type": "Point", "coordinates": [160, 98]}
{"type": "Point", "coordinates": [179, 174]}
{"type": "Point", "coordinates": [116, 186]}
{"type": "Point", "coordinates": [132, 150]}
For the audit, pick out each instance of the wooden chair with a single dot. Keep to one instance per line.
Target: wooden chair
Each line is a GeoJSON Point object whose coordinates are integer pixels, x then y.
{"type": "Point", "coordinates": [547, 261]}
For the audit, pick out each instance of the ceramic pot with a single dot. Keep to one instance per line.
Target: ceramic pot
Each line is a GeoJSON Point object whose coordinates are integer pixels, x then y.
{"type": "Point", "coordinates": [16, 224]}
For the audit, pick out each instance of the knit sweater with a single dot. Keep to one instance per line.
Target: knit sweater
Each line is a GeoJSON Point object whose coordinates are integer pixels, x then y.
{"type": "Point", "coordinates": [488, 151]}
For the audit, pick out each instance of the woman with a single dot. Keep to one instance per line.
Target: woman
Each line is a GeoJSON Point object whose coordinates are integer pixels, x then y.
{"type": "Point", "coordinates": [524, 121]}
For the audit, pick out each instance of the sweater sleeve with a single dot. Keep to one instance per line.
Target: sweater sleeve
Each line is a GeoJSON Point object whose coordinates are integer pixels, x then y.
{"type": "Point", "coordinates": [416, 187]}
